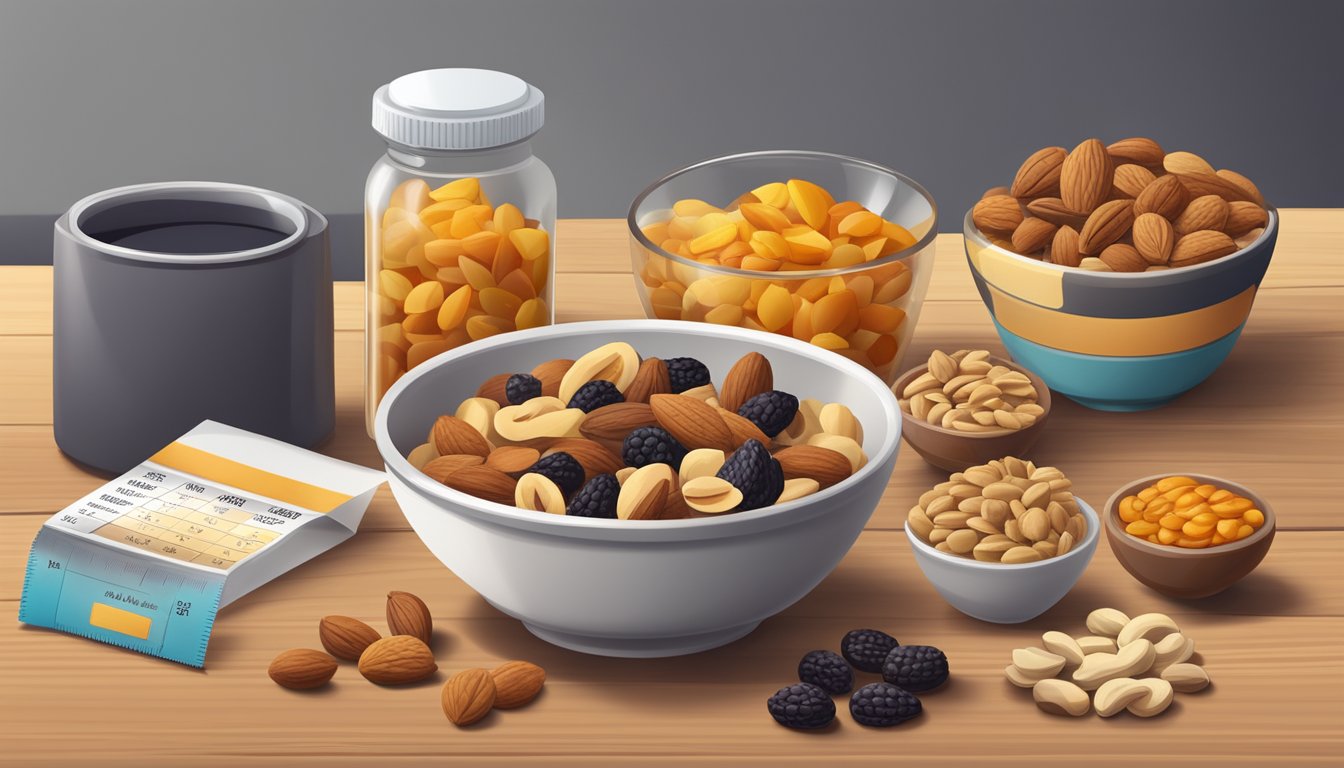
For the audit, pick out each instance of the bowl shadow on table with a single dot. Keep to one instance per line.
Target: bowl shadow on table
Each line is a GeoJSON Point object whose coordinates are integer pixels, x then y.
{"type": "Point", "coordinates": [766, 659]}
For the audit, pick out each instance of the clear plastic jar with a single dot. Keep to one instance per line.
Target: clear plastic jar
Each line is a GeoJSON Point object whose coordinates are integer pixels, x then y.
{"type": "Point", "coordinates": [459, 220]}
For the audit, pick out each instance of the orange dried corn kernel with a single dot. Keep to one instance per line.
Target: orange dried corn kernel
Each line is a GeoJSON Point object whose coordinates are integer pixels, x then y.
{"type": "Point", "coordinates": [1182, 512]}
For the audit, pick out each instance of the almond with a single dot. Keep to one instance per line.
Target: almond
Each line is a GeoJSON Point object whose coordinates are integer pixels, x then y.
{"type": "Point", "coordinates": [1052, 209]}
{"type": "Point", "coordinates": [516, 683]}
{"type": "Point", "coordinates": [741, 428]}
{"type": "Point", "coordinates": [997, 213]}
{"type": "Point", "coordinates": [453, 436]}
{"type": "Point", "coordinates": [1085, 179]}
{"type": "Point", "coordinates": [1039, 174]}
{"type": "Point", "coordinates": [1206, 212]}
{"type": "Point", "coordinates": [1153, 238]}
{"type": "Point", "coordinates": [611, 423]}
{"type": "Point", "coordinates": [512, 459]}
{"type": "Point", "coordinates": [1247, 186]}
{"type": "Point", "coordinates": [1243, 216]}
{"type": "Point", "coordinates": [408, 615]}
{"type": "Point", "coordinates": [750, 376]}
{"type": "Point", "coordinates": [1199, 247]}
{"type": "Point", "coordinates": [825, 466]}
{"type": "Point", "coordinates": [1064, 247]}
{"type": "Point", "coordinates": [1032, 235]}
{"type": "Point", "coordinates": [1201, 184]}
{"type": "Point", "coordinates": [694, 423]}
{"type": "Point", "coordinates": [484, 483]}
{"type": "Point", "coordinates": [1121, 257]}
{"type": "Point", "coordinates": [1107, 224]}
{"type": "Point", "coordinates": [468, 696]}
{"type": "Point", "coordinates": [594, 457]}
{"type": "Point", "coordinates": [992, 191]}
{"type": "Point", "coordinates": [345, 637]}
{"type": "Point", "coordinates": [1130, 180]}
{"type": "Point", "coordinates": [493, 389]}
{"type": "Point", "coordinates": [440, 468]}
{"type": "Point", "coordinates": [550, 373]}
{"type": "Point", "coordinates": [397, 660]}
{"type": "Point", "coordinates": [1137, 150]}
{"type": "Point", "coordinates": [651, 379]}
{"type": "Point", "coordinates": [302, 668]}
{"type": "Point", "coordinates": [1166, 197]}
{"type": "Point", "coordinates": [1186, 162]}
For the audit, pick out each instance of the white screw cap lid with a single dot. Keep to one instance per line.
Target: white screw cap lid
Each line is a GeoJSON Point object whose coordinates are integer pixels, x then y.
{"type": "Point", "coordinates": [457, 109]}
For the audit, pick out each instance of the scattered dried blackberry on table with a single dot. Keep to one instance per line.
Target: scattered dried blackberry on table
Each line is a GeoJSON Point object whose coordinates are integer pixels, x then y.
{"type": "Point", "coordinates": [686, 373]}
{"type": "Point", "coordinates": [596, 499]}
{"type": "Point", "coordinates": [753, 471]}
{"type": "Point", "coordinates": [595, 394]}
{"type": "Point", "coordinates": [563, 470]}
{"type": "Point", "coordinates": [770, 411]}
{"type": "Point", "coordinates": [826, 670]}
{"type": "Point", "coordinates": [522, 387]}
{"type": "Point", "coordinates": [651, 445]}
{"type": "Point", "coordinates": [915, 667]}
{"type": "Point", "coordinates": [883, 704]}
{"type": "Point", "coordinates": [802, 705]}
{"type": "Point", "coordinates": [867, 649]}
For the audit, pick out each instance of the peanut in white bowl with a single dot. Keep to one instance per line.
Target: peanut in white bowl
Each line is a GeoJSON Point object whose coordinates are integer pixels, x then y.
{"type": "Point", "coordinates": [642, 588]}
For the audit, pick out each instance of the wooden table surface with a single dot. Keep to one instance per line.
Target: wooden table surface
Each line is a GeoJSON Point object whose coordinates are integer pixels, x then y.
{"type": "Point", "coordinates": [1271, 417]}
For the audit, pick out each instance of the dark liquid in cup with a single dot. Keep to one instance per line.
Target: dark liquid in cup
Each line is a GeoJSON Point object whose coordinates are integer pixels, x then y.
{"type": "Point", "coordinates": [191, 237]}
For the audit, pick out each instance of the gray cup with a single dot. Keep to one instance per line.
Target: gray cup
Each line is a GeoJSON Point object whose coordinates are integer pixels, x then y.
{"type": "Point", "coordinates": [184, 301]}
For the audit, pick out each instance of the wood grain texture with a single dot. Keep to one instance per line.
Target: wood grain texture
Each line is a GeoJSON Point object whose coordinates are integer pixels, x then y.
{"type": "Point", "coordinates": [1269, 418]}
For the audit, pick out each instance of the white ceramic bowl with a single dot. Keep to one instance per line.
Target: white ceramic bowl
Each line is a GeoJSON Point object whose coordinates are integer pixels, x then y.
{"type": "Point", "coordinates": [638, 588]}
{"type": "Point", "coordinates": [1007, 594]}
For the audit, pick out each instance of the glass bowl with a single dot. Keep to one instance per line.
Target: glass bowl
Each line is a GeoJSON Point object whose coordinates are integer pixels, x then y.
{"type": "Point", "coordinates": [867, 310]}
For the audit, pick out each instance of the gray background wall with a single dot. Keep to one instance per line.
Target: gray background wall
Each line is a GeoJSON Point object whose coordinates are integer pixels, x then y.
{"type": "Point", "coordinates": [101, 93]}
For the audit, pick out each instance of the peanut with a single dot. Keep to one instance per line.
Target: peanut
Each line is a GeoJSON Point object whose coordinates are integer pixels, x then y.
{"type": "Point", "coordinates": [965, 392]}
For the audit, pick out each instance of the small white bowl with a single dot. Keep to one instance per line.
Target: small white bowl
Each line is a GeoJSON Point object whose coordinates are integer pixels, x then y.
{"type": "Point", "coordinates": [638, 588]}
{"type": "Point", "coordinates": [1006, 594]}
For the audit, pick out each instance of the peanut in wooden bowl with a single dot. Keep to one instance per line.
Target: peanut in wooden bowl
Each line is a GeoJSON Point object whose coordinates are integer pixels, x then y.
{"type": "Point", "coordinates": [954, 450]}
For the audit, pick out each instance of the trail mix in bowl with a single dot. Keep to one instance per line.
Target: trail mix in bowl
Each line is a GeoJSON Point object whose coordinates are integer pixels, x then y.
{"type": "Point", "coordinates": [1127, 207]}
{"type": "Point", "coordinates": [611, 435]}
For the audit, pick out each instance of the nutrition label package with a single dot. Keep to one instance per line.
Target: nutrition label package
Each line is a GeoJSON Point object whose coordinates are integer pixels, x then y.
{"type": "Point", "coordinates": [146, 561]}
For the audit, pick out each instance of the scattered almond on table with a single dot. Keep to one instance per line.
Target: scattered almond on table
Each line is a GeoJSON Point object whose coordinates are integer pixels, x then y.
{"type": "Point", "coordinates": [404, 657]}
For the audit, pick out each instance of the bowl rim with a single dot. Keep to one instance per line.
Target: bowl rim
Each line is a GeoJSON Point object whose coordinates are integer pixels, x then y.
{"type": "Point", "coordinates": [774, 516]}
{"type": "Point", "coordinates": [802, 274]}
{"type": "Point", "coordinates": [1043, 399]}
{"type": "Point", "coordinates": [969, 230]}
{"type": "Point", "coordinates": [1088, 544]}
{"type": "Point", "coordinates": [1114, 531]}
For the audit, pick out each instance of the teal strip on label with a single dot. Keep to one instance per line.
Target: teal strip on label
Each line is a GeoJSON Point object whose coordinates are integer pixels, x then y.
{"type": "Point", "coordinates": [120, 599]}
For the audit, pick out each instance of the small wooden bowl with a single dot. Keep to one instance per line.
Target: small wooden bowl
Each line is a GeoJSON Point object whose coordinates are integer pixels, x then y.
{"type": "Point", "coordinates": [1180, 572]}
{"type": "Point", "coordinates": [954, 451]}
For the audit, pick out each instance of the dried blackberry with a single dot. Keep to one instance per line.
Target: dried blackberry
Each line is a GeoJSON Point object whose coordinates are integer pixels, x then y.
{"type": "Point", "coordinates": [867, 649]}
{"type": "Point", "coordinates": [686, 373]}
{"type": "Point", "coordinates": [915, 667]}
{"type": "Point", "coordinates": [753, 471]}
{"type": "Point", "coordinates": [563, 470]}
{"type": "Point", "coordinates": [883, 704]}
{"type": "Point", "coordinates": [522, 387]}
{"type": "Point", "coordinates": [595, 394]}
{"type": "Point", "coordinates": [826, 670]}
{"type": "Point", "coordinates": [771, 411]}
{"type": "Point", "coordinates": [596, 499]}
{"type": "Point", "coordinates": [652, 445]}
{"type": "Point", "coordinates": [801, 705]}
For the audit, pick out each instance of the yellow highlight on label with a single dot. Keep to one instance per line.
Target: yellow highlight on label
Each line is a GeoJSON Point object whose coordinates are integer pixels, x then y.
{"type": "Point", "coordinates": [106, 616]}
{"type": "Point", "coordinates": [218, 469]}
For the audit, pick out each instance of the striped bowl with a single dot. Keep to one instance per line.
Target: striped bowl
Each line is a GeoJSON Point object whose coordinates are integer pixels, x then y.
{"type": "Point", "coordinates": [1119, 341]}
